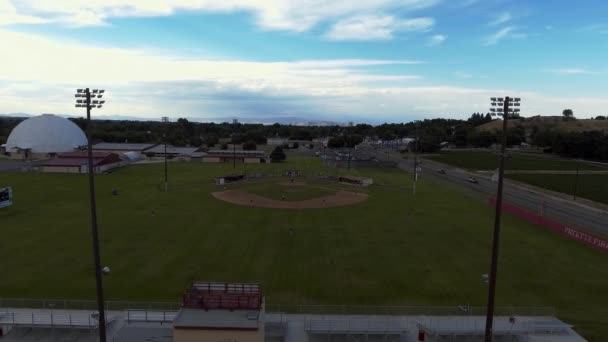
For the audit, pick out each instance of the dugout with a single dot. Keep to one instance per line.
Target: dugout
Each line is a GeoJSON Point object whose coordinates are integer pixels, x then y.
{"type": "Point", "coordinates": [229, 179]}
{"type": "Point", "coordinates": [358, 181]}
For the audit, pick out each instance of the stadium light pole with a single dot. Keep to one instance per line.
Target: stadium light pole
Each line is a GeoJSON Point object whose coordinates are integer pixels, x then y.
{"type": "Point", "coordinates": [500, 107]}
{"type": "Point", "coordinates": [235, 122]}
{"type": "Point", "coordinates": [84, 99]}
{"type": "Point", "coordinates": [165, 120]}
{"type": "Point", "coordinates": [576, 179]}
{"type": "Point", "coordinates": [415, 159]}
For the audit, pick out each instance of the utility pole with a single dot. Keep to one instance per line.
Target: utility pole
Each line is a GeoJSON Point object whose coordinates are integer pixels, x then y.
{"type": "Point", "coordinates": [350, 142]}
{"type": "Point", "coordinates": [496, 239]}
{"type": "Point", "coordinates": [234, 123]}
{"type": "Point", "coordinates": [415, 160]}
{"type": "Point", "coordinates": [89, 104]}
{"type": "Point", "coordinates": [165, 120]}
{"type": "Point", "coordinates": [576, 179]}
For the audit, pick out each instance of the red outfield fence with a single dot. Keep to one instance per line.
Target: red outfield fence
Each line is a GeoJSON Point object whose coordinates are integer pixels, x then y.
{"type": "Point", "coordinates": [560, 228]}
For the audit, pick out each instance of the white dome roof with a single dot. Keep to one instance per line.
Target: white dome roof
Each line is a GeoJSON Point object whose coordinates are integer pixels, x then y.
{"type": "Point", "coordinates": [46, 134]}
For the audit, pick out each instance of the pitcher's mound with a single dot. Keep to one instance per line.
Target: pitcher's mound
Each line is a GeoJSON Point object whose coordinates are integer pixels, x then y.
{"type": "Point", "coordinates": [339, 199]}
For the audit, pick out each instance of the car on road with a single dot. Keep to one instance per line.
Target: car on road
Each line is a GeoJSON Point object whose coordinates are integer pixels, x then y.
{"type": "Point", "coordinates": [473, 180]}
{"type": "Point", "coordinates": [442, 171]}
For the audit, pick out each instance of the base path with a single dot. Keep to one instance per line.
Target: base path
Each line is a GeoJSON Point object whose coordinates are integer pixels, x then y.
{"type": "Point", "coordinates": [339, 199]}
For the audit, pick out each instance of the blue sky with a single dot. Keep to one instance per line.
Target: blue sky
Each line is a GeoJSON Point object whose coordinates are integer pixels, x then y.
{"type": "Point", "coordinates": [260, 60]}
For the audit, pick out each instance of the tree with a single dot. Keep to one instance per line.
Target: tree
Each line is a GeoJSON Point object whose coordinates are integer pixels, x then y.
{"type": "Point", "coordinates": [196, 142]}
{"type": "Point", "coordinates": [336, 142]}
{"type": "Point", "coordinates": [568, 115]}
{"type": "Point", "coordinates": [353, 140]}
{"type": "Point", "coordinates": [249, 145]}
{"type": "Point", "coordinates": [211, 140]}
{"type": "Point", "coordinates": [296, 144]}
{"type": "Point", "coordinates": [482, 139]}
{"type": "Point", "coordinates": [277, 155]}
{"type": "Point", "coordinates": [600, 117]}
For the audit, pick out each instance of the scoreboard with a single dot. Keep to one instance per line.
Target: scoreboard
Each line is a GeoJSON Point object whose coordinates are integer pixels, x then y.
{"type": "Point", "coordinates": [6, 197]}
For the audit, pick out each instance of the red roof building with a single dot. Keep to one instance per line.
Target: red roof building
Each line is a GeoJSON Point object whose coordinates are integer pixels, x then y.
{"type": "Point", "coordinates": [77, 162]}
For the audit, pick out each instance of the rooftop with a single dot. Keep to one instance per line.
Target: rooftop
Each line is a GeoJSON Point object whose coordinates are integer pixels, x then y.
{"type": "Point", "coordinates": [122, 146]}
{"type": "Point", "coordinates": [173, 149]}
{"type": "Point", "coordinates": [237, 152]}
{"type": "Point", "coordinates": [84, 154]}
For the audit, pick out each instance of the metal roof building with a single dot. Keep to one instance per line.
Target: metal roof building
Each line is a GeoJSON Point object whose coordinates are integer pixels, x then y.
{"type": "Point", "coordinates": [122, 147]}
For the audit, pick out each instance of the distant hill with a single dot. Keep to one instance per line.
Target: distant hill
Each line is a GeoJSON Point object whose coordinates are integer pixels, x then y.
{"type": "Point", "coordinates": [550, 122]}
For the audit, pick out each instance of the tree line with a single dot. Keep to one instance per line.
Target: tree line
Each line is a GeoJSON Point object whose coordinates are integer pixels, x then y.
{"type": "Point", "coordinates": [430, 134]}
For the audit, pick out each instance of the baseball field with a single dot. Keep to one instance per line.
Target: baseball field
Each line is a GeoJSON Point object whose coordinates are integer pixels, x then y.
{"type": "Point", "coordinates": [391, 248]}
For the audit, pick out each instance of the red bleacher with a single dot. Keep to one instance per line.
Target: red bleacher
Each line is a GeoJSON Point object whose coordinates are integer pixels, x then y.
{"type": "Point", "coordinates": [209, 296]}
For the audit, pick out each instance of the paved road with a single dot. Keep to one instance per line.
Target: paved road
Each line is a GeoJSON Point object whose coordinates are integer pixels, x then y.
{"type": "Point", "coordinates": [568, 212]}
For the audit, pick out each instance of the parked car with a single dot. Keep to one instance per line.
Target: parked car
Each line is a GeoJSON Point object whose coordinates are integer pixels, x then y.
{"type": "Point", "coordinates": [473, 180]}
{"type": "Point", "coordinates": [442, 171]}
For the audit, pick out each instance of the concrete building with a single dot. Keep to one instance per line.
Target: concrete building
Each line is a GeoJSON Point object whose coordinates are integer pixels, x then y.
{"type": "Point", "coordinates": [77, 162]}
{"type": "Point", "coordinates": [44, 136]}
{"type": "Point", "coordinates": [224, 156]}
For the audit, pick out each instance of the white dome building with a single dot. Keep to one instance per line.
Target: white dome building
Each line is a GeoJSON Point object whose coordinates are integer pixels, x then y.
{"type": "Point", "coordinates": [44, 135]}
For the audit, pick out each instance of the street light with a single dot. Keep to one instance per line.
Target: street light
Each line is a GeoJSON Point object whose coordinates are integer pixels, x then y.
{"type": "Point", "coordinates": [505, 108]}
{"type": "Point", "coordinates": [83, 100]}
{"type": "Point", "coordinates": [235, 123]}
{"type": "Point", "coordinates": [165, 120]}
{"type": "Point", "coordinates": [416, 124]}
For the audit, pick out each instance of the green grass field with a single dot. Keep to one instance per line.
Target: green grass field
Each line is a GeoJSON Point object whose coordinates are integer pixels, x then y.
{"type": "Point", "coordinates": [392, 249]}
{"type": "Point", "coordinates": [484, 160]}
{"type": "Point", "coordinates": [593, 187]}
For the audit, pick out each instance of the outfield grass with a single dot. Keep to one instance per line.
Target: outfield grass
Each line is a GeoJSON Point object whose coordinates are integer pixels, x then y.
{"type": "Point", "coordinates": [392, 249]}
{"type": "Point", "coordinates": [274, 190]}
{"type": "Point", "coordinates": [484, 160]}
{"type": "Point", "coordinates": [593, 187]}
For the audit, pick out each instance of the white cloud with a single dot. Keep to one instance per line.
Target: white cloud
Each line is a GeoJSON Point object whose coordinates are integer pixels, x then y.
{"type": "Point", "coordinates": [501, 19]}
{"type": "Point", "coordinates": [146, 84]}
{"type": "Point", "coordinates": [436, 40]}
{"type": "Point", "coordinates": [64, 62]}
{"type": "Point", "coordinates": [575, 71]}
{"type": "Point", "coordinates": [375, 27]}
{"type": "Point", "coordinates": [509, 32]}
{"type": "Point", "coordinates": [293, 15]}
{"type": "Point", "coordinates": [9, 15]}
